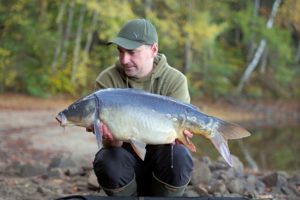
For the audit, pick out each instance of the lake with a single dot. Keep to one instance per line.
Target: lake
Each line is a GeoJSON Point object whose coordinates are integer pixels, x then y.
{"type": "Point", "coordinates": [272, 148]}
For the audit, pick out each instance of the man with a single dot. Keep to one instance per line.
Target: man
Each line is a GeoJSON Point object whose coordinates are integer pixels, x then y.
{"type": "Point", "coordinates": [166, 170]}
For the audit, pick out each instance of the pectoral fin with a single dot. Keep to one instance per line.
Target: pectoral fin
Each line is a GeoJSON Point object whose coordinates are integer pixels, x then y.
{"type": "Point", "coordinates": [139, 148]}
{"type": "Point", "coordinates": [98, 132]}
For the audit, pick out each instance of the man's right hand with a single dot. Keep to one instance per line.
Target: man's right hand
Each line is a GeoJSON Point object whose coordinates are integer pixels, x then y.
{"type": "Point", "coordinates": [107, 137]}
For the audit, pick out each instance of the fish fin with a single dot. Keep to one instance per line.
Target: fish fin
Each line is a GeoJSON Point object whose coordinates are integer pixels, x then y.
{"type": "Point", "coordinates": [139, 148]}
{"type": "Point", "coordinates": [98, 132]}
{"type": "Point", "coordinates": [222, 146]}
{"type": "Point", "coordinates": [232, 131]}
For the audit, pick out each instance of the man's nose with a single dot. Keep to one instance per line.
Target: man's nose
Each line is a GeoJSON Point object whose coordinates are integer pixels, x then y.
{"type": "Point", "coordinates": [124, 58]}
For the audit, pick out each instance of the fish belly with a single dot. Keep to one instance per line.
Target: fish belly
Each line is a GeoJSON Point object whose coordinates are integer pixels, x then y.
{"type": "Point", "coordinates": [142, 124]}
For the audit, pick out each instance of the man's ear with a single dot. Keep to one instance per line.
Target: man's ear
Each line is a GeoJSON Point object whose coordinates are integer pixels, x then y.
{"type": "Point", "coordinates": [154, 49]}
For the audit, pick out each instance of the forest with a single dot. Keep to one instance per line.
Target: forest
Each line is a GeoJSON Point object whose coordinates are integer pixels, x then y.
{"type": "Point", "coordinates": [241, 59]}
{"type": "Point", "coordinates": [226, 48]}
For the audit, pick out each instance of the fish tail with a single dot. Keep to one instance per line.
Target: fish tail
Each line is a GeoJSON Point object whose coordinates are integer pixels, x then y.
{"type": "Point", "coordinates": [231, 131]}
{"type": "Point", "coordinates": [219, 132]}
{"type": "Point", "coordinates": [227, 131]}
{"type": "Point", "coordinates": [221, 145]}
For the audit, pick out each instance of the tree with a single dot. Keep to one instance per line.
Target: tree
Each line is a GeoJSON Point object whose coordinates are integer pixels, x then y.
{"type": "Point", "coordinates": [260, 49]}
{"type": "Point", "coordinates": [60, 30]}
{"type": "Point", "coordinates": [290, 12]}
{"type": "Point", "coordinates": [77, 44]}
{"type": "Point", "coordinates": [61, 46]}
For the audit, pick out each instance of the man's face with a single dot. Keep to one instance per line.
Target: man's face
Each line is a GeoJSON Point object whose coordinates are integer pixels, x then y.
{"type": "Point", "coordinates": [138, 62]}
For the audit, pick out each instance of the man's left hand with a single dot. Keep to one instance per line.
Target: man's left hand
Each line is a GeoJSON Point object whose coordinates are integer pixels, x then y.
{"type": "Point", "coordinates": [187, 134]}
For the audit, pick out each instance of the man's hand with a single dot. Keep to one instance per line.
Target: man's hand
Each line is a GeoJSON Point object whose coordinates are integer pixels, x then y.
{"type": "Point", "coordinates": [187, 134]}
{"type": "Point", "coordinates": [108, 139]}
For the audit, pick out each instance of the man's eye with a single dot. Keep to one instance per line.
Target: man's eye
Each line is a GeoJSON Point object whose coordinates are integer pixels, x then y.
{"type": "Point", "coordinates": [131, 52]}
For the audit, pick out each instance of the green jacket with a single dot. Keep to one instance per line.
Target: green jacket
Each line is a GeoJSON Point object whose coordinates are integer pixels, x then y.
{"type": "Point", "coordinates": [164, 80]}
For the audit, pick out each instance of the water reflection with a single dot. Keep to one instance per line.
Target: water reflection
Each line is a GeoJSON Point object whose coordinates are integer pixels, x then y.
{"type": "Point", "coordinates": [271, 148]}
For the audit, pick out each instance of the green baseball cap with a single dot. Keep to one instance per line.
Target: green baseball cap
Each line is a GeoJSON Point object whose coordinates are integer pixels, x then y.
{"type": "Point", "coordinates": [136, 33]}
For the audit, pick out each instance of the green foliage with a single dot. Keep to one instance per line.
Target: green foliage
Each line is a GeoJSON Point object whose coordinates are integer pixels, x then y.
{"type": "Point", "coordinates": [221, 83]}
{"type": "Point", "coordinates": [284, 157]}
{"type": "Point", "coordinates": [279, 42]}
{"type": "Point", "coordinates": [5, 77]}
{"type": "Point", "coordinates": [36, 84]}
{"type": "Point", "coordinates": [59, 82]}
{"type": "Point", "coordinates": [285, 76]}
{"type": "Point", "coordinates": [219, 34]}
{"type": "Point", "coordinates": [254, 91]}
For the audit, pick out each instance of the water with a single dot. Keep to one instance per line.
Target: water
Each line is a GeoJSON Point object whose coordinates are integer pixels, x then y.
{"type": "Point", "coordinates": [272, 148]}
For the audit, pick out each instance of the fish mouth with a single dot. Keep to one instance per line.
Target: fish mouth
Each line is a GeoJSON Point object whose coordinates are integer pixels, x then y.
{"type": "Point", "coordinates": [61, 118]}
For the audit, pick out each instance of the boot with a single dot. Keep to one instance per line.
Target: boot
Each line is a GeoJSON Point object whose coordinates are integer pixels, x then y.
{"type": "Point", "coordinates": [128, 190]}
{"type": "Point", "coordinates": [160, 188]}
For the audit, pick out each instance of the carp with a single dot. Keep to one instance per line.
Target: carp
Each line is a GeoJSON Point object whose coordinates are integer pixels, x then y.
{"type": "Point", "coordinates": [142, 118]}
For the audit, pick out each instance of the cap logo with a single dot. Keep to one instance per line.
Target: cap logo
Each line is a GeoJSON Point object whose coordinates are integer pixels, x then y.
{"type": "Point", "coordinates": [136, 35]}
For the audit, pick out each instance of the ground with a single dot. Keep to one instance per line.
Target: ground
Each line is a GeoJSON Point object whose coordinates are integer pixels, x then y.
{"type": "Point", "coordinates": [31, 135]}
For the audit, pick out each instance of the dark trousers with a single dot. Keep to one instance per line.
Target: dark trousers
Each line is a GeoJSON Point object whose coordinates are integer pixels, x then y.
{"type": "Point", "coordinates": [116, 167]}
